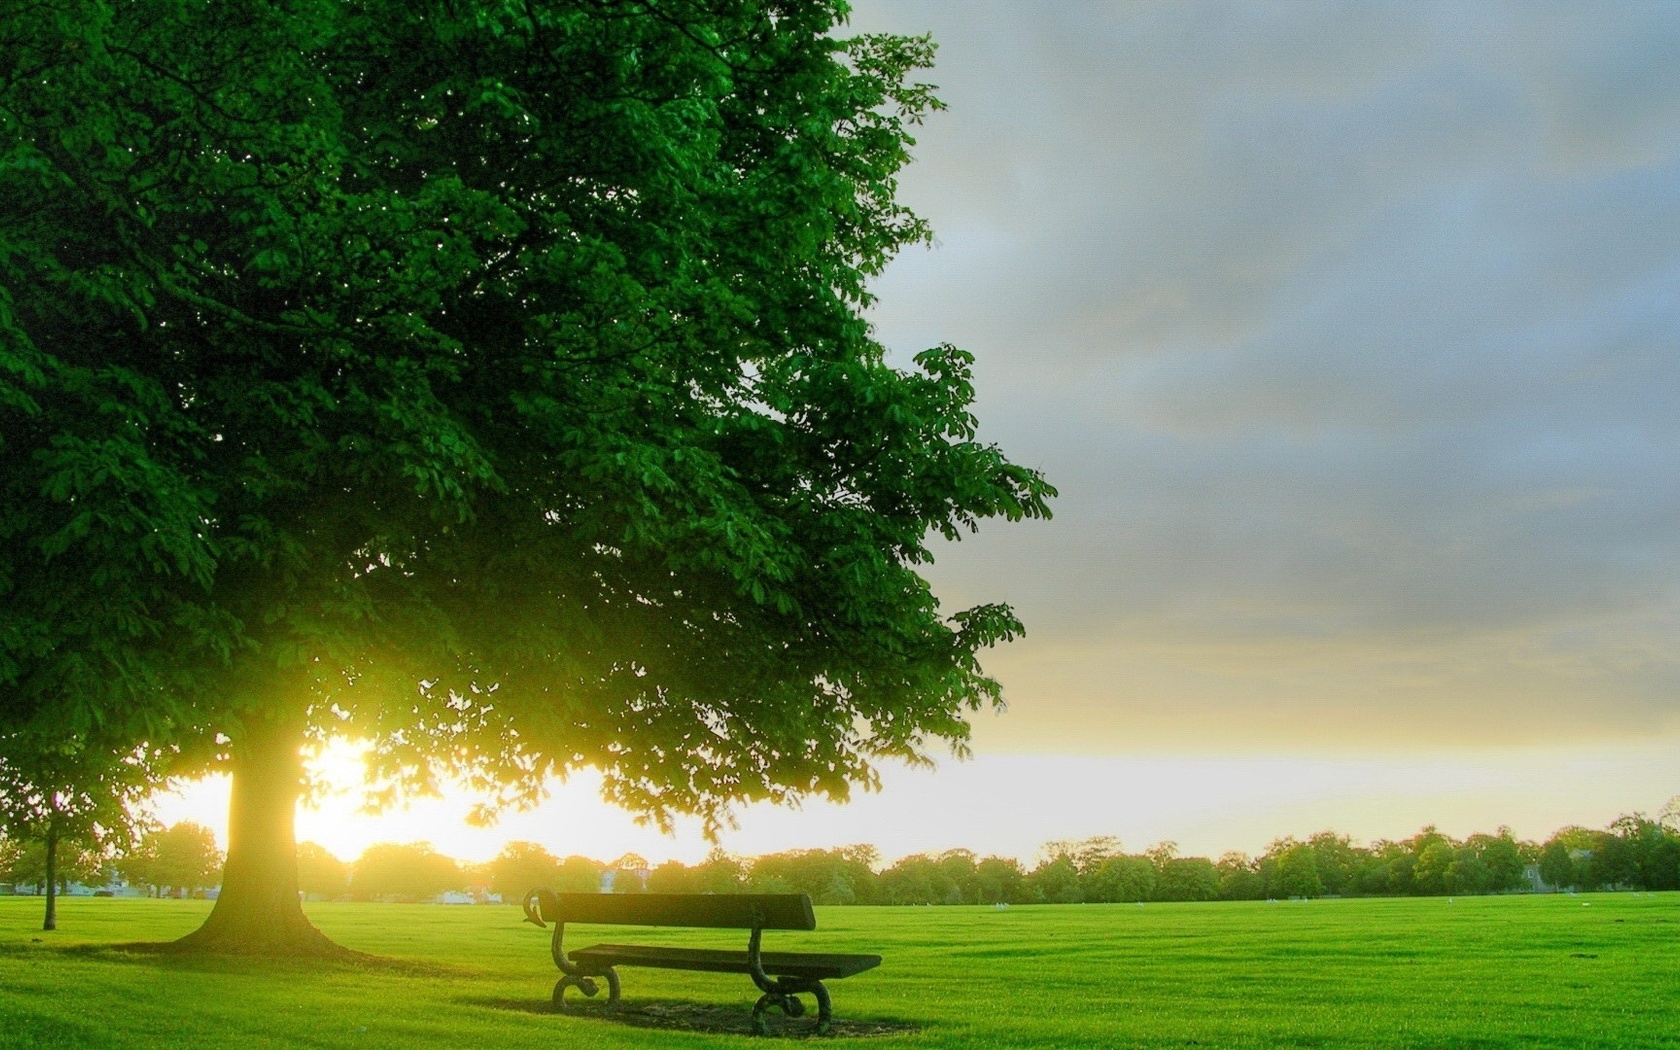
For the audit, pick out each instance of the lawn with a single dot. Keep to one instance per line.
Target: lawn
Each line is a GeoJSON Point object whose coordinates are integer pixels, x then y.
{"type": "Point", "coordinates": [1546, 971]}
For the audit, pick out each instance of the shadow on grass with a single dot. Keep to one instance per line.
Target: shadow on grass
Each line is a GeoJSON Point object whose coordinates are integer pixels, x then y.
{"type": "Point", "coordinates": [706, 1018]}
{"type": "Point", "coordinates": [170, 956]}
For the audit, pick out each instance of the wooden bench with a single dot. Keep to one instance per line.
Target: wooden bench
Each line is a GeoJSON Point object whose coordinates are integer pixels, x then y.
{"type": "Point", "coordinates": [781, 976]}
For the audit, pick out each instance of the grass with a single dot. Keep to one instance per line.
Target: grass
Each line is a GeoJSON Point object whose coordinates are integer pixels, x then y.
{"type": "Point", "coordinates": [1546, 971]}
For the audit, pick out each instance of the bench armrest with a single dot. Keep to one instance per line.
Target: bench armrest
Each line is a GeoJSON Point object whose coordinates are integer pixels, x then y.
{"type": "Point", "coordinates": [534, 906]}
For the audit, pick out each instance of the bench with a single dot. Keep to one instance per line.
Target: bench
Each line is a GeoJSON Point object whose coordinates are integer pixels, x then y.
{"type": "Point", "coordinates": [781, 976]}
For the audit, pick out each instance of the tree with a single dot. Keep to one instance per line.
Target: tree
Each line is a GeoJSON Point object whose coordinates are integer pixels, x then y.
{"type": "Point", "coordinates": [1127, 879]}
{"type": "Point", "coordinates": [183, 857]}
{"type": "Point", "coordinates": [320, 873]}
{"type": "Point", "coordinates": [1501, 856]}
{"type": "Point", "coordinates": [1566, 861]}
{"type": "Point", "coordinates": [911, 880]}
{"type": "Point", "coordinates": [1429, 874]}
{"type": "Point", "coordinates": [578, 875]}
{"type": "Point", "coordinates": [1055, 881]}
{"type": "Point", "coordinates": [487, 380]}
{"type": "Point", "coordinates": [25, 864]}
{"type": "Point", "coordinates": [1293, 871]}
{"type": "Point", "coordinates": [721, 872]}
{"type": "Point", "coordinates": [1336, 860]}
{"type": "Point", "coordinates": [75, 794]}
{"type": "Point", "coordinates": [1238, 878]}
{"type": "Point", "coordinates": [673, 876]}
{"type": "Point", "coordinates": [1188, 879]}
{"type": "Point", "coordinates": [1557, 868]}
{"type": "Point", "coordinates": [831, 876]}
{"type": "Point", "coordinates": [999, 880]}
{"type": "Point", "coordinates": [407, 873]}
{"type": "Point", "coordinates": [1467, 873]}
{"type": "Point", "coordinates": [520, 868]}
{"type": "Point", "coordinates": [1669, 815]}
{"type": "Point", "coordinates": [629, 873]}
{"type": "Point", "coordinates": [1641, 852]}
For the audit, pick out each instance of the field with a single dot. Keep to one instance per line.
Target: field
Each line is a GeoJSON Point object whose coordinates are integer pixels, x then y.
{"type": "Point", "coordinates": [1547, 971]}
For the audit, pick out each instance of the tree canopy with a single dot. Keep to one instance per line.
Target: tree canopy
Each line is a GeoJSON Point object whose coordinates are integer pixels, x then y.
{"type": "Point", "coordinates": [489, 379]}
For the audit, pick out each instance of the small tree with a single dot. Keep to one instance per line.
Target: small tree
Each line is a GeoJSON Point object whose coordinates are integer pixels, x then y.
{"type": "Point", "coordinates": [320, 873]}
{"type": "Point", "coordinates": [408, 873]}
{"type": "Point", "coordinates": [11, 857]}
{"type": "Point", "coordinates": [25, 864]}
{"type": "Point", "coordinates": [1188, 879]}
{"type": "Point", "coordinates": [1055, 881]}
{"type": "Point", "coordinates": [1293, 871]}
{"type": "Point", "coordinates": [520, 868]}
{"type": "Point", "coordinates": [1557, 868]}
{"type": "Point", "coordinates": [579, 875]}
{"type": "Point", "coordinates": [673, 876]}
{"type": "Point", "coordinates": [1669, 815]}
{"type": "Point", "coordinates": [909, 880]}
{"type": "Point", "coordinates": [1121, 878]}
{"type": "Point", "coordinates": [75, 793]}
{"type": "Point", "coordinates": [1238, 878]}
{"type": "Point", "coordinates": [721, 872]}
{"type": "Point", "coordinates": [182, 858]}
{"type": "Point", "coordinates": [999, 880]}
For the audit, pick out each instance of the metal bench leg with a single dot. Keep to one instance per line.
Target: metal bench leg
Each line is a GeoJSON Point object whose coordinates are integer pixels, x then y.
{"type": "Point", "coordinates": [589, 987]}
{"type": "Point", "coordinates": [785, 997]}
{"type": "Point", "coordinates": [825, 1010]}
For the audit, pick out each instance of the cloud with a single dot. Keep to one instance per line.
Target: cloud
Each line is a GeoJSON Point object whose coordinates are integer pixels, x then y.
{"type": "Point", "coordinates": [1348, 331]}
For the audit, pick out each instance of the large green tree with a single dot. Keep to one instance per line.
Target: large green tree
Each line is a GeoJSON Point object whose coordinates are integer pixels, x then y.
{"type": "Point", "coordinates": [486, 378]}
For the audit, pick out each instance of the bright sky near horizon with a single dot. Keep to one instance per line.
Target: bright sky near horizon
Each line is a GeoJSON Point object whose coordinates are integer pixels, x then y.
{"type": "Point", "coordinates": [1348, 332]}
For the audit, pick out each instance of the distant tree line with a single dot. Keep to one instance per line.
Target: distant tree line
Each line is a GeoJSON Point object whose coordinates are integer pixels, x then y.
{"type": "Point", "coordinates": [1635, 852]}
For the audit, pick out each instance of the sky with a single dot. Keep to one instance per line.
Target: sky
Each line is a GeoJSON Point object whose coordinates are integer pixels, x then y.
{"type": "Point", "coordinates": [1347, 332]}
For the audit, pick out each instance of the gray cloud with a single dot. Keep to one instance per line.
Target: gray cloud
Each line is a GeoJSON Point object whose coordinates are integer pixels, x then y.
{"type": "Point", "coordinates": [1348, 331]}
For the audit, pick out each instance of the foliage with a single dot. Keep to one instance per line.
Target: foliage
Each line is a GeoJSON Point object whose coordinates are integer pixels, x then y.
{"type": "Point", "coordinates": [833, 876]}
{"type": "Point", "coordinates": [1055, 881]}
{"type": "Point", "coordinates": [1000, 880]}
{"type": "Point", "coordinates": [1634, 852]}
{"type": "Point", "coordinates": [579, 875]}
{"type": "Point", "coordinates": [407, 872]}
{"type": "Point", "coordinates": [364, 360]}
{"type": "Point", "coordinates": [522, 867]}
{"type": "Point", "coordinates": [321, 874]}
{"type": "Point", "coordinates": [23, 865]}
{"type": "Point", "coordinates": [1239, 878]}
{"type": "Point", "coordinates": [628, 874]}
{"type": "Point", "coordinates": [1188, 879]}
{"type": "Point", "coordinates": [1120, 878]}
{"type": "Point", "coordinates": [73, 789]}
{"type": "Point", "coordinates": [72, 799]}
{"type": "Point", "coordinates": [182, 858]}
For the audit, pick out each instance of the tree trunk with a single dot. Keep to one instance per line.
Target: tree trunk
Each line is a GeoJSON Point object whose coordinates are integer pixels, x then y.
{"type": "Point", "coordinates": [51, 921]}
{"type": "Point", "coordinates": [258, 909]}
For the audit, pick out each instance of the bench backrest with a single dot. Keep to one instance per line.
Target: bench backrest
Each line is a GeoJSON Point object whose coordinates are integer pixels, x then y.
{"type": "Point", "coordinates": [735, 911]}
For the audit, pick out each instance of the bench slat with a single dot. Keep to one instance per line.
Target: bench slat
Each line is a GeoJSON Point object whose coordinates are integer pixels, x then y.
{"type": "Point", "coordinates": [776, 964]}
{"type": "Point", "coordinates": [743, 911]}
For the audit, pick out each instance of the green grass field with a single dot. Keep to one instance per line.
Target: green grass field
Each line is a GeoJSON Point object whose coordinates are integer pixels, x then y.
{"type": "Point", "coordinates": [1547, 971]}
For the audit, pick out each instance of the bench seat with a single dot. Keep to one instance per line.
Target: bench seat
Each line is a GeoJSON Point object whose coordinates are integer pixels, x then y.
{"type": "Point", "coordinates": [802, 965]}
